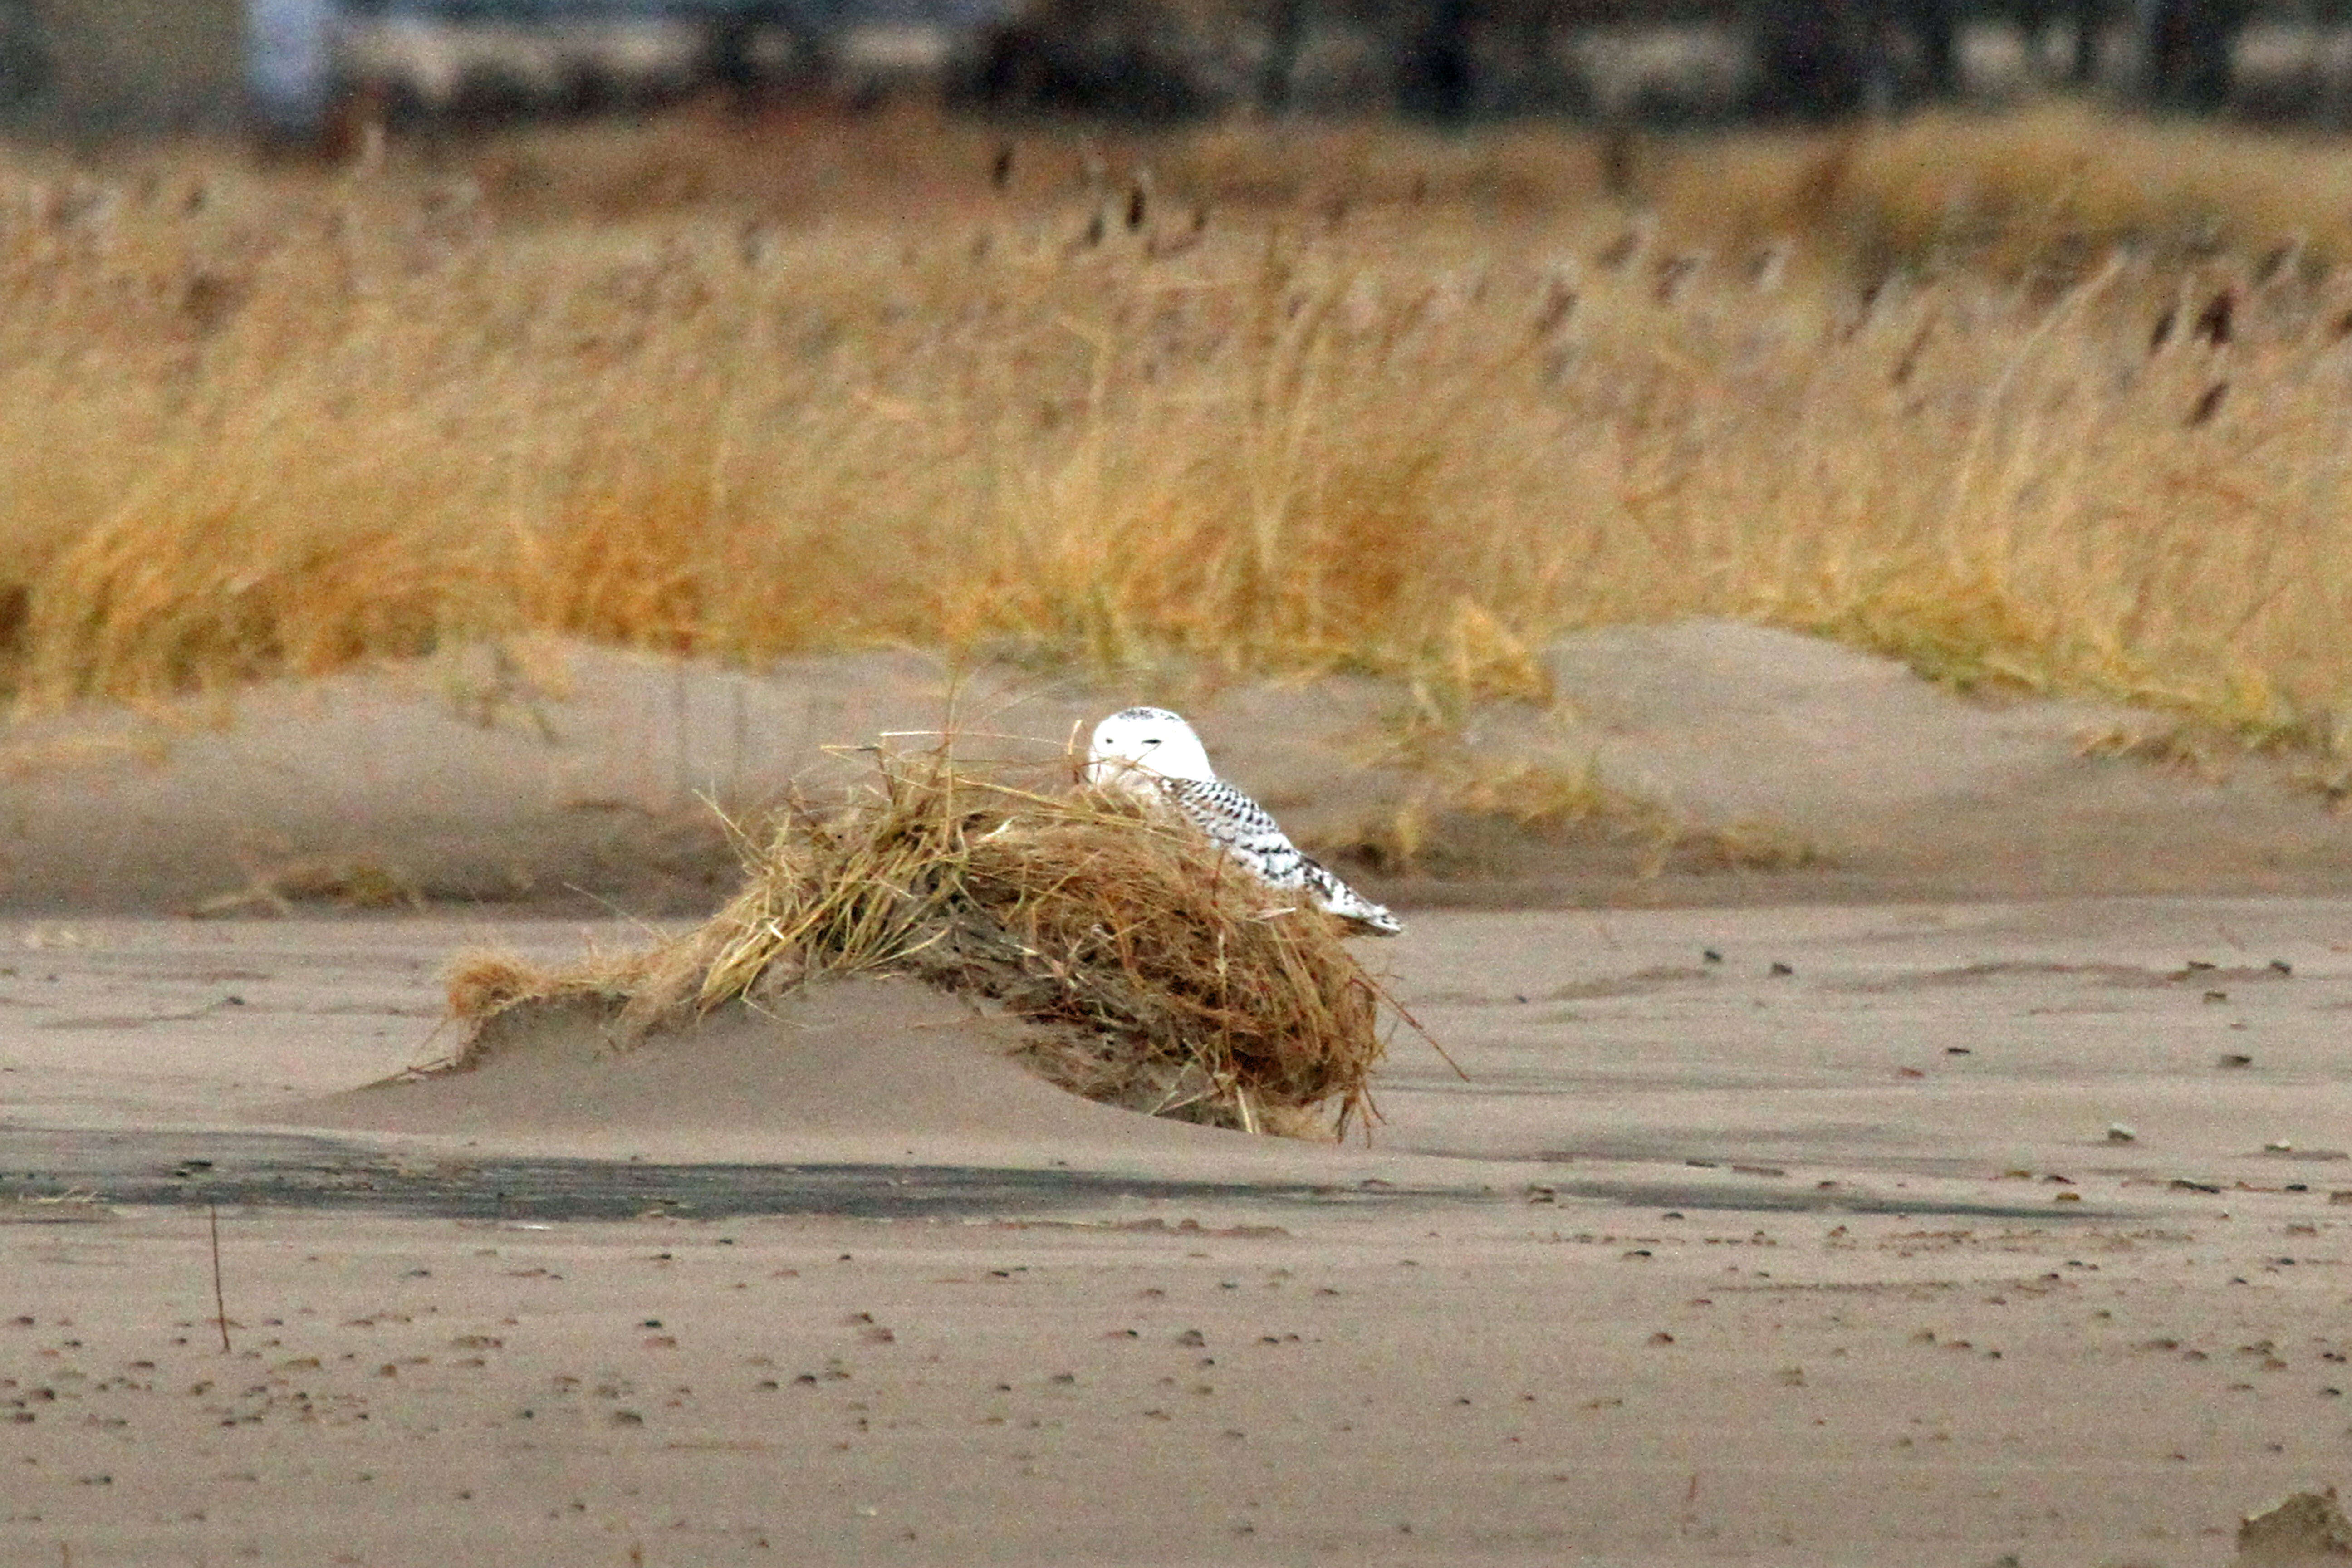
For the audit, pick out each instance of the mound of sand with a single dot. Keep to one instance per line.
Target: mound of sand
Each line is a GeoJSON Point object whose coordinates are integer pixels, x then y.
{"type": "Point", "coordinates": [465, 777]}
{"type": "Point", "coordinates": [1153, 976]}
{"type": "Point", "coordinates": [853, 1068]}
{"type": "Point", "coordinates": [1900, 788]}
{"type": "Point", "coordinates": [580, 780]}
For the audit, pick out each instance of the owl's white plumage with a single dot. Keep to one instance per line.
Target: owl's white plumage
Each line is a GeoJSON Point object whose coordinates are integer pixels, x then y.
{"type": "Point", "coordinates": [1154, 751]}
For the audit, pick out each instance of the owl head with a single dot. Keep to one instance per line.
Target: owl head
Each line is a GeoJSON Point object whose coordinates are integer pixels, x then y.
{"type": "Point", "coordinates": [1146, 741]}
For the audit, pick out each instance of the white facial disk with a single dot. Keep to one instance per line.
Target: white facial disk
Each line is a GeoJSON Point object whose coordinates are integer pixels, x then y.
{"type": "Point", "coordinates": [1146, 741]}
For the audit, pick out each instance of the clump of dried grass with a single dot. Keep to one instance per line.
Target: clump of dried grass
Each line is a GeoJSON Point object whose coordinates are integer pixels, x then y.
{"type": "Point", "coordinates": [1159, 976]}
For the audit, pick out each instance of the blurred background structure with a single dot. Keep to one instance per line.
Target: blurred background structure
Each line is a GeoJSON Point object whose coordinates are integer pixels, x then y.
{"type": "Point", "coordinates": [86, 64]}
{"type": "Point", "coordinates": [100, 66]}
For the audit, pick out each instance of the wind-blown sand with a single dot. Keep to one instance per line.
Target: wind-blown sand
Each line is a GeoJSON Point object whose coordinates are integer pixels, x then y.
{"type": "Point", "coordinates": [857, 1068]}
{"type": "Point", "coordinates": [1811, 1232]}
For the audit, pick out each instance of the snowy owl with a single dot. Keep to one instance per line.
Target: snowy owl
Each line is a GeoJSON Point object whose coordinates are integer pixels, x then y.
{"type": "Point", "coordinates": [1152, 751]}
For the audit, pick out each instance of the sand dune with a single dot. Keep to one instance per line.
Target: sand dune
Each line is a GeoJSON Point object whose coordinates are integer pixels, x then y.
{"type": "Point", "coordinates": [1908, 791]}
{"type": "Point", "coordinates": [881, 1067]}
{"type": "Point", "coordinates": [587, 781]}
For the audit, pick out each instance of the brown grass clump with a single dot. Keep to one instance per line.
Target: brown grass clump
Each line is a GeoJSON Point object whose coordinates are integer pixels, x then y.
{"type": "Point", "coordinates": [1159, 976]}
{"type": "Point", "coordinates": [482, 982]}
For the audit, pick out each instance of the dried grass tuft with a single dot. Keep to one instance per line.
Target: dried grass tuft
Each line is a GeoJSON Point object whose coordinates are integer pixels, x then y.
{"type": "Point", "coordinates": [1159, 976]}
{"type": "Point", "coordinates": [483, 982]}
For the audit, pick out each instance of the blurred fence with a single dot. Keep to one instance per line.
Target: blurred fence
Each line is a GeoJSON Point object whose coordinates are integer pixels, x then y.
{"type": "Point", "coordinates": [283, 65]}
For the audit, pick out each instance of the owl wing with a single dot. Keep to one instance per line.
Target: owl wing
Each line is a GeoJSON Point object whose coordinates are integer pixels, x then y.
{"type": "Point", "coordinates": [1244, 828]}
{"type": "Point", "coordinates": [1248, 832]}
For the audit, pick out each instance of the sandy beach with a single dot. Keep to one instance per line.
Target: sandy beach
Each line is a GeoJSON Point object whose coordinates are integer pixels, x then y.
{"type": "Point", "coordinates": [1972, 1188]}
{"type": "Point", "coordinates": [1705, 1261]}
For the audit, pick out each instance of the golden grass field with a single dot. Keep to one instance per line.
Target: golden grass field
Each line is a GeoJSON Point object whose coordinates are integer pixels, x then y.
{"type": "Point", "coordinates": [1237, 398]}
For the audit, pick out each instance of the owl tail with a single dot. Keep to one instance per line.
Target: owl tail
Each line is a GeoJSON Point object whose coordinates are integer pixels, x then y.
{"type": "Point", "coordinates": [1336, 898]}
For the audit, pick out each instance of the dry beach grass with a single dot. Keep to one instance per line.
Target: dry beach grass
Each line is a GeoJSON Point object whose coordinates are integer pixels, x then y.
{"type": "Point", "coordinates": [2042, 401]}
